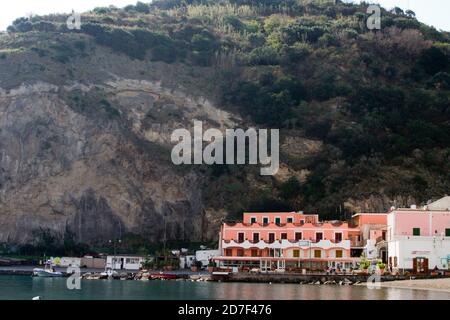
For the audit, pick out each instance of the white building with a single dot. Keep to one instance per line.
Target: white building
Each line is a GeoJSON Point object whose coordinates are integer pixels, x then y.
{"type": "Point", "coordinates": [418, 239]}
{"type": "Point", "coordinates": [205, 255]}
{"type": "Point", "coordinates": [408, 251]}
{"type": "Point", "coordinates": [124, 262]}
{"type": "Point", "coordinates": [186, 262]}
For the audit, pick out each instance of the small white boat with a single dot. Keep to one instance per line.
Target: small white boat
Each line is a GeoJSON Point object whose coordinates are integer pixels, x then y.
{"type": "Point", "coordinates": [48, 272]}
{"type": "Point", "coordinates": [109, 273]}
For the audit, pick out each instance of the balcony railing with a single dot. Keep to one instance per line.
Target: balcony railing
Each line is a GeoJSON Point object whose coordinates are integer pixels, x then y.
{"type": "Point", "coordinates": [285, 224]}
{"type": "Point", "coordinates": [283, 244]}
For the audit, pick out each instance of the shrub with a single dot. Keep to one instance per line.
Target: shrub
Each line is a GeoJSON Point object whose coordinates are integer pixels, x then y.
{"type": "Point", "coordinates": [440, 80]}
{"type": "Point", "coordinates": [234, 22]}
{"type": "Point", "coordinates": [163, 53]}
{"type": "Point", "coordinates": [406, 23]}
{"type": "Point", "coordinates": [290, 189]}
{"type": "Point", "coordinates": [21, 25]}
{"type": "Point", "coordinates": [295, 53]}
{"type": "Point", "coordinates": [434, 60]}
{"type": "Point", "coordinates": [266, 55]}
{"type": "Point", "coordinates": [298, 32]}
{"type": "Point", "coordinates": [203, 42]}
{"type": "Point", "coordinates": [365, 264]}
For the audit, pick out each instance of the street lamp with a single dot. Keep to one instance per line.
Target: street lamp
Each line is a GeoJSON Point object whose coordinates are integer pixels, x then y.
{"type": "Point", "coordinates": [113, 242]}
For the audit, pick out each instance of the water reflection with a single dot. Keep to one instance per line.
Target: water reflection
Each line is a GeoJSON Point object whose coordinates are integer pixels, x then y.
{"type": "Point", "coordinates": [15, 287]}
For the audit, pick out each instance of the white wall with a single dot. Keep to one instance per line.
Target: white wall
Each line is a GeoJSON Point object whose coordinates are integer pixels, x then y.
{"type": "Point", "coordinates": [127, 265]}
{"type": "Point", "coordinates": [186, 261]}
{"type": "Point", "coordinates": [407, 248]}
{"type": "Point", "coordinates": [371, 250]}
{"type": "Point", "coordinates": [205, 255]}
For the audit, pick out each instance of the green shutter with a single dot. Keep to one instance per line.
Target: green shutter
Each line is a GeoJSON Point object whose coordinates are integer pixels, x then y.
{"type": "Point", "coordinates": [447, 232]}
{"type": "Point", "coordinates": [416, 231]}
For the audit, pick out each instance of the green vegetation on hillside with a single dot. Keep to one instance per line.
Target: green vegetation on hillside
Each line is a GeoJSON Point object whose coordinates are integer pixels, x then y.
{"type": "Point", "coordinates": [378, 100]}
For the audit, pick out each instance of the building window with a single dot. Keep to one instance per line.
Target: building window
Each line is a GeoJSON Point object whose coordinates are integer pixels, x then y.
{"type": "Point", "coordinates": [338, 237]}
{"type": "Point", "coordinates": [240, 253]}
{"type": "Point", "coordinates": [338, 253]}
{"type": "Point", "coordinates": [416, 231]}
{"type": "Point", "coordinates": [283, 236]}
{"type": "Point", "coordinates": [265, 220]}
{"type": "Point", "coordinates": [278, 220]}
{"type": "Point", "coordinates": [240, 237]}
{"type": "Point", "coordinates": [302, 221]}
{"type": "Point", "coordinates": [447, 232]}
{"type": "Point", "coordinates": [271, 237]}
{"type": "Point", "coordinates": [256, 237]}
{"type": "Point", "coordinates": [298, 236]}
{"type": "Point", "coordinates": [290, 220]}
{"type": "Point", "coordinates": [254, 252]}
{"type": "Point", "coordinates": [252, 220]}
{"type": "Point", "coordinates": [132, 260]}
{"type": "Point", "coordinates": [317, 254]}
{"type": "Point", "coordinates": [228, 252]}
{"type": "Point", "coordinates": [296, 253]}
{"type": "Point", "coordinates": [319, 236]}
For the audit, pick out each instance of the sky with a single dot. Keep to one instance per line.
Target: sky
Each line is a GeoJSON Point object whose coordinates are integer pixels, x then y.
{"type": "Point", "coordinates": [432, 12]}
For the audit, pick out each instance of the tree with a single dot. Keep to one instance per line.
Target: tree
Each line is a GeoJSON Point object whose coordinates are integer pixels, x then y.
{"type": "Point", "coordinates": [410, 13]}
{"type": "Point", "coordinates": [142, 7]}
{"type": "Point", "coordinates": [290, 189]}
{"type": "Point", "coordinates": [397, 11]}
{"type": "Point", "coordinates": [434, 60]}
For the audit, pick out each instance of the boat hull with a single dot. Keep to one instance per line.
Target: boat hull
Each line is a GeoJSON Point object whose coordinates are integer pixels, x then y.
{"type": "Point", "coordinates": [46, 274]}
{"type": "Point", "coordinates": [163, 276]}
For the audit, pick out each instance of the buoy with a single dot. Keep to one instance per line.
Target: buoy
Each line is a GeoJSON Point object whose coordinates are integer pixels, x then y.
{"type": "Point", "coordinates": [36, 298]}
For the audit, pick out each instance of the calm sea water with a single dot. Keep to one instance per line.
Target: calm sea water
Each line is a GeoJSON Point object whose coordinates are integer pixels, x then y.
{"type": "Point", "coordinates": [25, 288]}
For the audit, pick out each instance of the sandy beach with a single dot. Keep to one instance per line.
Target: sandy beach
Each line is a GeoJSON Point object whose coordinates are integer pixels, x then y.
{"type": "Point", "coordinates": [427, 284]}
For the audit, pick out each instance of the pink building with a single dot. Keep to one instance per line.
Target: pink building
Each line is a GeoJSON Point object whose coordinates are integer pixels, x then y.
{"type": "Point", "coordinates": [371, 235]}
{"type": "Point", "coordinates": [287, 240]}
{"type": "Point", "coordinates": [415, 239]}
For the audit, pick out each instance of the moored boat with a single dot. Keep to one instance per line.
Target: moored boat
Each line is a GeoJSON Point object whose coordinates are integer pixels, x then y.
{"type": "Point", "coordinates": [47, 272]}
{"type": "Point", "coordinates": [163, 276]}
{"type": "Point", "coordinates": [109, 274]}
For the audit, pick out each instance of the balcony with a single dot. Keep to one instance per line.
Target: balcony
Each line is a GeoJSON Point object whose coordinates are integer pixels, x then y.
{"type": "Point", "coordinates": [283, 244]}
{"type": "Point", "coordinates": [358, 244]}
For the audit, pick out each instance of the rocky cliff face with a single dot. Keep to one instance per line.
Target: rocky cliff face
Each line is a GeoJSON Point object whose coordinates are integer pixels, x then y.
{"type": "Point", "coordinates": [93, 157]}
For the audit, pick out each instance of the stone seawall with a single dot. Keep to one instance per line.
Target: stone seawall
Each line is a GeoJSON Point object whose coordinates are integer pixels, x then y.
{"type": "Point", "coordinates": [302, 278]}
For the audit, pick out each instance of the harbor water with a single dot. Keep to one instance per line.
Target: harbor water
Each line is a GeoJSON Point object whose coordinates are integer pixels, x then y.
{"type": "Point", "coordinates": [25, 288]}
